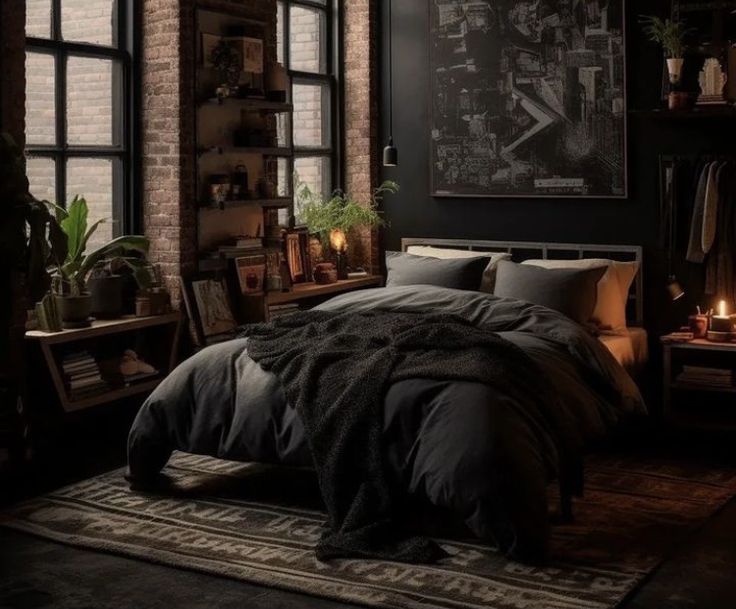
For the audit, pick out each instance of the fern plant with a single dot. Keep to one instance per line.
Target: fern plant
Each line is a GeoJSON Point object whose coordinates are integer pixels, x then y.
{"type": "Point", "coordinates": [339, 211]}
{"type": "Point", "coordinates": [667, 32]}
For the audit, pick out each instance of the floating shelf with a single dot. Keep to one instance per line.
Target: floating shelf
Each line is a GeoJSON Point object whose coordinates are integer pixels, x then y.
{"type": "Point", "coordinates": [261, 105]}
{"type": "Point", "coordinates": [285, 152]}
{"type": "Point", "coordinates": [279, 202]}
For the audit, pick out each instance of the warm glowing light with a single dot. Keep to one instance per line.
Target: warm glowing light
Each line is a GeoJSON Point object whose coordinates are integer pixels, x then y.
{"type": "Point", "coordinates": [722, 308]}
{"type": "Point", "coordinates": [338, 241]}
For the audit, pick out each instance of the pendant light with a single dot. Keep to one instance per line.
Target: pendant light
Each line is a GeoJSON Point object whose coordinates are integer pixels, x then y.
{"type": "Point", "coordinates": [390, 153]}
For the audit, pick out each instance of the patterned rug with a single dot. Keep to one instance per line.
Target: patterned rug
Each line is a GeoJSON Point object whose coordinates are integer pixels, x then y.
{"type": "Point", "coordinates": [221, 518]}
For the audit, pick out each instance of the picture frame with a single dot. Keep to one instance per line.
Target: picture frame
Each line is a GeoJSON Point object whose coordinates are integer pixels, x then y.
{"type": "Point", "coordinates": [250, 51]}
{"type": "Point", "coordinates": [296, 251]}
{"type": "Point", "coordinates": [209, 308]}
{"type": "Point", "coordinates": [537, 120]}
{"type": "Point", "coordinates": [251, 274]}
{"type": "Point", "coordinates": [207, 43]}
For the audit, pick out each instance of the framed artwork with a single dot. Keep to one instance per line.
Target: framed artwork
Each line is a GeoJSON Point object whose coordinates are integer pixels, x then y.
{"type": "Point", "coordinates": [294, 258]}
{"type": "Point", "coordinates": [528, 99]}
{"type": "Point", "coordinates": [209, 42]}
{"type": "Point", "coordinates": [251, 53]}
{"type": "Point", "coordinates": [251, 272]}
{"type": "Point", "coordinates": [208, 305]}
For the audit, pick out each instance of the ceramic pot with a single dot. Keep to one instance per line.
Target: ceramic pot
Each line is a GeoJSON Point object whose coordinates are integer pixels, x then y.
{"type": "Point", "coordinates": [74, 310]}
{"type": "Point", "coordinates": [674, 68]}
{"type": "Point", "coordinates": [107, 296]}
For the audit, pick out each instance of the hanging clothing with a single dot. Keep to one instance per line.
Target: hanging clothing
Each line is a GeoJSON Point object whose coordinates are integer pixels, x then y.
{"type": "Point", "coordinates": [695, 251]}
{"type": "Point", "coordinates": [720, 268]}
{"type": "Point", "coordinates": [710, 209]}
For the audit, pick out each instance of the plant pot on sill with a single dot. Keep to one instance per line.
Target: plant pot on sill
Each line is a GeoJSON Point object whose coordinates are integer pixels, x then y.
{"type": "Point", "coordinates": [74, 310]}
{"type": "Point", "coordinates": [107, 296]}
{"type": "Point", "coordinates": [682, 100]}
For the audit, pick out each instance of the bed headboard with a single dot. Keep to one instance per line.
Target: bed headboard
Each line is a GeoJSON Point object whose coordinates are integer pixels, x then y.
{"type": "Point", "coordinates": [523, 250]}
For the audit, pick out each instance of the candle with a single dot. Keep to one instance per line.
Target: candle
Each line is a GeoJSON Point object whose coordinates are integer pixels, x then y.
{"type": "Point", "coordinates": [721, 322]}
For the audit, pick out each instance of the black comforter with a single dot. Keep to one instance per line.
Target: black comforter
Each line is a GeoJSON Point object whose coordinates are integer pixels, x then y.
{"type": "Point", "coordinates": [481, 447]}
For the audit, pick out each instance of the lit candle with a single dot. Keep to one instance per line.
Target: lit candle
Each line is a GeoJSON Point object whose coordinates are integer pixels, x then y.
{"type": "Point", "coordinates": [721, 322]}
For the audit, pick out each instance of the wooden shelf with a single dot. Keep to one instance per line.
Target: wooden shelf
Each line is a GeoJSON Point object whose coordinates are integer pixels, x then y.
{"type": "Point", "coordinates": [265, 151]}
{"type": "Point", "coordinates": [257, 105]}
{"type": "Point", "coordinates": [688, 386]}
{"type": "Point", "coordinates": [100, 328]}
{"type": "Point", "coordinates": [303, 291]}
{"type": "Point", "coordinates": [705, 345]}
{"type": "Point", "coordinates": [279, 202]}
{"type": "Point", "coordinates": [112, 395]}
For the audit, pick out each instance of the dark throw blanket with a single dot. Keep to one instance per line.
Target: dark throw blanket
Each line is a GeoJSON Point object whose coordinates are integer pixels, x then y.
{"type": "Point", "coordinates": [336, 368]}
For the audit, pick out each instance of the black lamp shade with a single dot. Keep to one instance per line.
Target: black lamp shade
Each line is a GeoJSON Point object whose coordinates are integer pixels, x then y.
{"type": "Point", "coordinates": [390, 154]}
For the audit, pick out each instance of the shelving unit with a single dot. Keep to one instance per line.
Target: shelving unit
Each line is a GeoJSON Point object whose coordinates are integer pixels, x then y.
{"type": "Point", "coordinates": [158, 333]}
{"type": "Point", "coordinates": [216, 123]}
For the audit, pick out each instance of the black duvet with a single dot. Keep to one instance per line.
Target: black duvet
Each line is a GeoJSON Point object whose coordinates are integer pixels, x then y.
{"type": "Point", "coordinates": [476, 451]}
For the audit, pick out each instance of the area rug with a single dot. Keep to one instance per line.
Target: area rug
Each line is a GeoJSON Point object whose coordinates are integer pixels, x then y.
{"type": "Point", "coordinates": [222, 518]}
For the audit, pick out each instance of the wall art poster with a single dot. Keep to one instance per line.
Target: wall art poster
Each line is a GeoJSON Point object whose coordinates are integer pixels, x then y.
{"type": "Point", "coordinates": [528, 98]}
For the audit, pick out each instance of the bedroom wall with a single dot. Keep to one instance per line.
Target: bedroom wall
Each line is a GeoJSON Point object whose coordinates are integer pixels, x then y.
{"type": "Point", "coordinates": [414, 213]}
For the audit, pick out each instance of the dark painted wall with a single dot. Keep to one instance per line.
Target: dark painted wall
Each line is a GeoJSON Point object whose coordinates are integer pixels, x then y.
{"type": "Point", "coordinates": [414, 213]}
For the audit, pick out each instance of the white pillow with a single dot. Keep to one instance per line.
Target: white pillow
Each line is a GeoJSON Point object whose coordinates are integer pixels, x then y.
{"type": "Point", "coordinates": [489, 275]}
{"type": "Point", "coordinates": [613, 289]}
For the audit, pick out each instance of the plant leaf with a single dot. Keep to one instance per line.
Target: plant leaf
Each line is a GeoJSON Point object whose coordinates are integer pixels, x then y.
{"type": "Point", "coordinates": [75, 226]}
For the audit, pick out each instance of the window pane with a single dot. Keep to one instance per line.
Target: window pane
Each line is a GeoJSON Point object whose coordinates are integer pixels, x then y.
{"type": "Point", "coordinates": [38, 18]}
{"type": "Point", "coordinates": [307, 39]}
{"type": "Point", "coordinates": [280, 33]}
{"type": "Point", "coordinates": [315, 172]}
{"type": "Point", "coordinates": [41, 172]}
{"type": "Point", "coordinates": [91, 85]}
{"type": "Point", "coordinates": [89, 21]}
{"type": "Point", "coordinates": [40, 99]}
{"type": "Point", "coordinates": [92, 179]}
{"type": "Point", "coordinates": [311, 115]}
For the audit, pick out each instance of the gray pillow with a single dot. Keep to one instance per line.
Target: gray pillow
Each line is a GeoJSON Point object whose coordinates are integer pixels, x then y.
{"type": "Point", "coordinates": [572, 292]}
{"type": "Point", "coordinates": [458, 273]}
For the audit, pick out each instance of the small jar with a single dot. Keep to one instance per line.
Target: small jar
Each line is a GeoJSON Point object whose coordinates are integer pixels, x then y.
{"type": "Point", "coordinates": [142, 305]}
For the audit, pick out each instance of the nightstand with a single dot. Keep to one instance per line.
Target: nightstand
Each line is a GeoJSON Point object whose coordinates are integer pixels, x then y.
{"type": "Point", "coordinates": [699, 384]}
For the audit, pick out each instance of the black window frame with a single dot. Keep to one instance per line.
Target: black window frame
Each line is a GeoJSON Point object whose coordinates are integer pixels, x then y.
{"type": "Point", "coordinates": [125, 211]}
{"type": "Point", "coordinates": [332, 78]}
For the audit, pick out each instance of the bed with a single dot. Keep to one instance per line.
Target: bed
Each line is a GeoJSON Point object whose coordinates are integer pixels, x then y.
{"type": "Point", "coordinates": [630, 347]}
{"type": "Point", "coordinates": [408, 401]}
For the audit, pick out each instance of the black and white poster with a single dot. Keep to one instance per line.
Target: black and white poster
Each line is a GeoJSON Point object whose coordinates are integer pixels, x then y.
{"type": "Point", "coordinates": [528, 98]}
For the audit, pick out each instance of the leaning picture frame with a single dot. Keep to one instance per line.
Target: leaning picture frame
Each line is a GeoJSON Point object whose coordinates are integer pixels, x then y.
{"type": "Point", "coordinates": [209, 308]}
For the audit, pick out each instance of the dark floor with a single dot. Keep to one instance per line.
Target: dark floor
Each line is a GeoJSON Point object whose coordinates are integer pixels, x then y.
{"type": "Point", "coordinates": [35, 573]}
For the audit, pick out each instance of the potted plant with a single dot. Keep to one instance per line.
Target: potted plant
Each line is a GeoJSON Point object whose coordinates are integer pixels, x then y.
{"type": "Point", "coordinates": [73, 298]}
{"type": "Point", "coordinates": [671, 35]}
{"type": "Point", "coordinates": [333, 218]}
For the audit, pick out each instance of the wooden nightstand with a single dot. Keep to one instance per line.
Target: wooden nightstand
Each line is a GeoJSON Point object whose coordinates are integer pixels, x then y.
{"type": "Point", "coordinates": [699, 384]}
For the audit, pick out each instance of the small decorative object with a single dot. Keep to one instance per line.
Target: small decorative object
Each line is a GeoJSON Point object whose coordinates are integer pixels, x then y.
{"type": "Point", "coordinates": [47, 315]}
{"type": "Point", "coordinates": [325, 273]}
{"type": "Point", "coordinates": [266, 188]}
{"type": "Point", "coordinates": [227, 61]}
{"type": "Point", "coordinates": [220, 188]}
{"type": "Point", "coordinates": [209, 308]}
{"type": "Point", "coordinates": [339, 245]}
{"type": "Point", "coordinates": [277, 83]}
{"type": "Point", "coordinates": [720, 325]}
{"type": "Point", "coordinates": [72, 296]}
{"type": "Point", "coordinates": [251, 271]}
{"type": "Point", "coordinates": [274, 283]}
{"type": "Point", "coordinates": [671, 35]}
{"type": "Point", "coordinates": [698, 325]}
{"type": "Point", "coordinates": [239, 189]}
{"type": "Point", "coordinates": [712, 82]}
{"type": "Point", "coordinates": [142, 305]}
{"type": "Point", "coordinates": [132, 365]}
{"type": "Point", "coordinates": [160, 301]}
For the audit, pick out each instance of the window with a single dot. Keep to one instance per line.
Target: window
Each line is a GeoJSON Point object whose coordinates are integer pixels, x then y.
{"type": "Point", "coordinates": [307, 47]}
{"type": "Point", "coordinates": [78, 110]}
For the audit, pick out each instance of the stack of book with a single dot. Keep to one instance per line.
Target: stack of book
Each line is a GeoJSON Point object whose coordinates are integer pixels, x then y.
{"type": "Point", "coordinates": [82, 375]}
{"type": "Point", "coordinates": [242, 246]}
{"type": "Point", "coordinates": [711, 377]}
{"type": "Point", "coordinates": [282, 310]}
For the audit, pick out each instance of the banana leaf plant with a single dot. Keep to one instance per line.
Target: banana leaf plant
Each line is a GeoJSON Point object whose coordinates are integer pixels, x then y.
{"type": "Point", "coordinates": [73, 271]}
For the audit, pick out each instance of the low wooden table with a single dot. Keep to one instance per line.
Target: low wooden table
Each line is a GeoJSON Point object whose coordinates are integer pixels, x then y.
{"type": "Point", "coordinates": [160, 332]}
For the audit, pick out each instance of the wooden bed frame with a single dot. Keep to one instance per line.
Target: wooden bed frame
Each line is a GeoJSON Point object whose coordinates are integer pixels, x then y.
{"type": "Point", "coordinates": [526, 250]}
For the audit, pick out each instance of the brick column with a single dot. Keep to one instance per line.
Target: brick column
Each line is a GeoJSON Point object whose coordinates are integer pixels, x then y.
{"type": "Point", "coordinates": [362, 163]}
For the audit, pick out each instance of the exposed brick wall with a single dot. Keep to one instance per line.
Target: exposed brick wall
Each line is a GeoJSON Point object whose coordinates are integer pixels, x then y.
{"type": "Point", "coordinates": [362, 163]}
